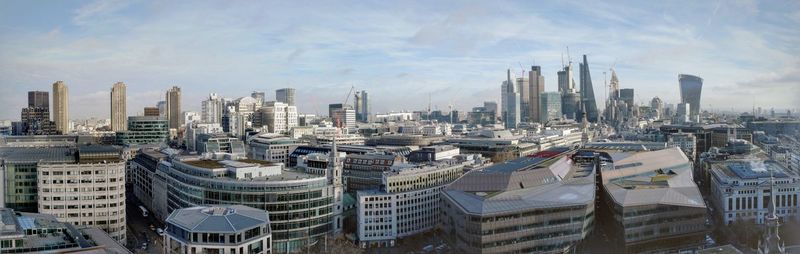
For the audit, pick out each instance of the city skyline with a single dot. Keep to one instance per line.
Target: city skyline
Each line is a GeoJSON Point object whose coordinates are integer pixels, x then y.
{"type": "Point", "coordinates": [402, 53]}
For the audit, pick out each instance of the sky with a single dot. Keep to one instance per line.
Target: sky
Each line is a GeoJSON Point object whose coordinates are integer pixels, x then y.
{"type": "Point", "coordinates": [400, 52]}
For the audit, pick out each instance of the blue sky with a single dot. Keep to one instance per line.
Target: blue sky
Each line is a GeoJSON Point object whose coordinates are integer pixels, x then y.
{"type": "Point", "coordinates": [399, 51]}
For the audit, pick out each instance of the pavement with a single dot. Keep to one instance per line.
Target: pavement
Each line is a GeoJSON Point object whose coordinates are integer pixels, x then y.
{"type": "Point", "coordinates": [139, 230]}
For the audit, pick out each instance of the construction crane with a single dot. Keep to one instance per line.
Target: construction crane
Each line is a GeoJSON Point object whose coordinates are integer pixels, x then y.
{"type": "Point", "coordinates": [347, 97]}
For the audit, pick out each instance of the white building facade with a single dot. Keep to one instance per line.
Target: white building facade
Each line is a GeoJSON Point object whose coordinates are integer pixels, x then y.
{"type": "Point", "coordinates": [85, 194]}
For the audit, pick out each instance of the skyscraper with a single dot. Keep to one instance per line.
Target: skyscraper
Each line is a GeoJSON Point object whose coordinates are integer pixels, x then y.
{"type": "Point", "coordinates": [626, 95]}
{"type": "Point", "coordinates": [362, 106]}
{"type": "Point", "coordinates": [173, 109]}
{"type": "Point", "coordinates": [691, 86]}
{"type": "Point", "coordinates": [119, 113]}
{"type": "Point", "coordinates": [587, 92]}
{"type": "Point", "coordinates": [523, 88]}
{"type": "Point", "coordinates": [151, 111]}
{"type": "Point", "coordinates": [285, 95]}
{"type": "Point", "coordinates": [550, 106]}
{"type": "Point", "coordinates": [39, 99]}
{"type": "Point", "coordinates": [61, 107]}
{"type": "Point", "coordinates": [510, 102]}
{"type": "Point", "coordinates": [565, 81]}
{"type": "Point", "coordinates": [536, 88]}
{"type": "Point", "coordinates": [35, 119]}
{"type": "Point", "coordinates": [212, 109]}
{"type": "Point", "coordinates": [259, 96]}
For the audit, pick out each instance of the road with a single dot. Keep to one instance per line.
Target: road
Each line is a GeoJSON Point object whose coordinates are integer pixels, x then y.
{"type": "Point", "coordinates": [139, 230]}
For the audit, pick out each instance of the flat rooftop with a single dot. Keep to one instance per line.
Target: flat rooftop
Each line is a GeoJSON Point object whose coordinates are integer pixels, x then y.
{"type": "Point", "coordinates": [36, 154]}
{"type": "Point", "coordinates": [214, 164]}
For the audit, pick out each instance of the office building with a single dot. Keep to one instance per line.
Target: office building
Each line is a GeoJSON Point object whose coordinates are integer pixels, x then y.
{"type": "Point", "coordinates": [222, 229]}
{"type": "Point", "coordinates": [362, 106]}
{"type": "Point", "coordinates": [345, 118]}
{"type": "Point", "coordinates": [35, 119]}
{"type": "Point", "coordinates": [22, 232]}
{"type": "Point", "coordinates": [287, 194]}
{"type": "Point", "coordinates": [523, 88]}
{"type": "Point", "coordinates": [683, 113]}
{"type": "Point", "coordinates": [566, 83]}
{"type": "Point", "coordinates": [536, 88]}
{"type": "Point", "coordinates": [433, 153]}
{"type": "Point", "coordinates": [212, 109]}
{"type": "Point", "coordinates": [272, 148]}
{"type": "Point", "coordinates": [691, 87]}
{"type": "Point", "coordinates": [656, 205]}
{"type": "Point", "coordinates": [119, 113]}
{"type": "Point", "coordinates": [219, 143]}
{"type": "Point", "coordinates": [510, 102]}
{"type": "Point", "coordinates": [742, 189]}
{"type": "Point", "coordinates": [588, 103]}
{"type": "Point", "coordinates": [334, 107]}
{"type": "Point", "coordinates": [538, 204]}
{"type": "Point", "coordinates": [19, 169]}
{"type": "Point", "coordinates": [277, 117]}
{"type": "Point", "coordinates": [173, 107]}
{"type": "Point", "coordinates": [162, 108]}
{"type": "Point", "coordinates": [550, 107]}
{"type": "Point", "coordinates": [260, 98]}
{"type": "Point", "coordinates": [570, 102]}
{"type": "Point", "coordinates": [151, 111]}
{"type": "Point", "coordinates": [234, 123]}
{"type": "Point", "coordinates": [498, 145]}
{"type": "Point", "coordinates": [365, 171]}
{"type": "Point", "coordinates": [39, 99]}
{"type": "Point", "coordinates": [87, 192]}
{"type": "Point", "coordinates": [657, 108]}
{"type": "Point", "coordinates": [285, 95]}
{"type": "Point", "coordinates": [144, 130]}
{"type": "Point", "coordinates": [407, 202]}
{"type": "Point", "coordinates": [626, 96]}
{"type": "Point", "coordinates": [61, 107]}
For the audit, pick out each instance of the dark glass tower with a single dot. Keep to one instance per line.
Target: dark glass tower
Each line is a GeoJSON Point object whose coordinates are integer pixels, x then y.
{"type": "Point", "coordinates": [587, 92]}
{"type": "Point", "coordinates": [691, 86]}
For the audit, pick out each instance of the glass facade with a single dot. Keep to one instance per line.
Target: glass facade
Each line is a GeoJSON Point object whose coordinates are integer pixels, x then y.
{"type": "Point", "coordinates": [300, 210]}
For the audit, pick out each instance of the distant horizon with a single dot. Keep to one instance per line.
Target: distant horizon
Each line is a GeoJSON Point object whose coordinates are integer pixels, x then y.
{"type": "Point", "coordinates": [398, 52]}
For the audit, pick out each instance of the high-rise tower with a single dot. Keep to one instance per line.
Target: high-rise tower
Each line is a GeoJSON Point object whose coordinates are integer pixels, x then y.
{"type": "Point", "coordinates": [173, 109]}
{"type": "Point", "coordinates": [587, 92]}
{"type": "Point", "coordinates": [691, 86]}
{"type": "Point", "coordinates": [61, 107]}
{"type": "Point", "coordinates": [119, 115]}
{"type": "Point", "coordinates": [510, 102]}
{"type": "Point", "coordinates": [285, 95]}
{"type": "Point", "coordinates": [536, 88]}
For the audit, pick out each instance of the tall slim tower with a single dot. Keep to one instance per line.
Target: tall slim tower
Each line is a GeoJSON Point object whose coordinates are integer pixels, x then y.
{"type": "Point", "coordinates": [61, 107]}
{"type": "Point", "coordinates": [335, 178]}
{"type": "Point", "coordinates": [510, 102]}
{"type": "Point", "coordinates": [565, 80]}
{"type": "Point", "coordinates": [691, 86]}
{"type": "Point", "coordinates": [174, 107]}
{"type": "Point", "coordinates": [119, 115]}
{"type": "Point", "coordinates": [536, 88]}
{"type": "Point", "coordinates": [285, 95]}
{"type": "Point", "coordinates": [588, 102]}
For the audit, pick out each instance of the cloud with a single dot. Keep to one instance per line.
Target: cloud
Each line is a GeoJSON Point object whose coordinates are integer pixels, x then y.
{"type": "Point", "coordinates": [295, 54]}
{"type": "Point", "coordinates": [399, 52]}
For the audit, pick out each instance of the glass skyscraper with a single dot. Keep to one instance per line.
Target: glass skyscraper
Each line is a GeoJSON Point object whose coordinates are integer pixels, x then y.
{"type": "Point", "coordinates": [691, 86]}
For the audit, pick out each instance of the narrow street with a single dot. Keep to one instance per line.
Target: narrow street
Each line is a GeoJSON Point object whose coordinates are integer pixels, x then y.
{"type": "Point", "coordinates": [139, 231]}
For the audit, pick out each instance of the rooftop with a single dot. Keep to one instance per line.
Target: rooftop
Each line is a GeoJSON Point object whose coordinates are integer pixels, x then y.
{"type": "Point", "coordinates": [218, 219]}
{"type": "Point", "coordinates": [524, 183]}
{"type": "Point", "coordinates": [651, 177]}
{"type": "Point", "coordinates": [36, 154]}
